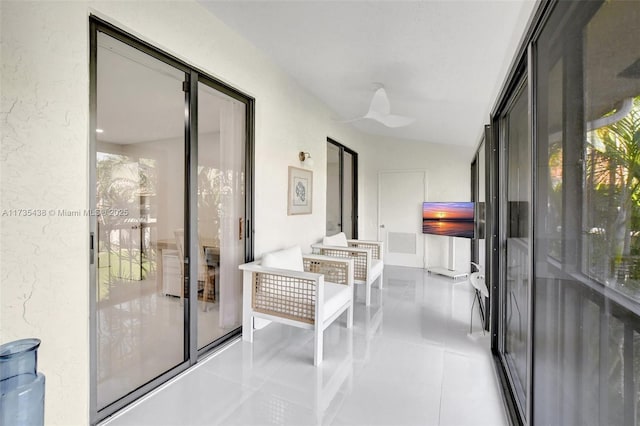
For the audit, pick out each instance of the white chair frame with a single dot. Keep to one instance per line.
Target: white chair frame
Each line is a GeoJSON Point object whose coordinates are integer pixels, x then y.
{"type": "Point", "coordinates": [303, 306]}
{"type": "Point", "coordinates": [363, 252]}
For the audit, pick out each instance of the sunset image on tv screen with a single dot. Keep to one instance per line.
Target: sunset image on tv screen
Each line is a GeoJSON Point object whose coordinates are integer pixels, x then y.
{"type": "Point", "coordinates": [449, 219]}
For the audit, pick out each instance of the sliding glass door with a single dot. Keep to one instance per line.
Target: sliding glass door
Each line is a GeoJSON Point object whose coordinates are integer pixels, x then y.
{"type": "Point", "coordinates": [516, 160]}
{"type": "Point", "coordinates": [170, 179]}
{"type": "Point", "coordinates": [140, 141]}
{"type": "Point", "coordinates": [221, 211]}
{"type": "Point", "coordinates": [587, 298]}
{"type": "Point", "coordinates": [342, 190]}
{"type": "Point", "coordinates": [566, 222]}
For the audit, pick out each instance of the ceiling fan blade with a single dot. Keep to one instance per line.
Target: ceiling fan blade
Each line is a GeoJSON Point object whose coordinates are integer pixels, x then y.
{"type": "Point", "coordinates": [374, 115]}
{"type": "Point", "coordinates": [379, 110]}
{"type": "Point", "coordinates": [391, 120]}
{"type": "Point", "coordinates": [380, 102]}
{"type": "Point", "coordinates": [351, 120]}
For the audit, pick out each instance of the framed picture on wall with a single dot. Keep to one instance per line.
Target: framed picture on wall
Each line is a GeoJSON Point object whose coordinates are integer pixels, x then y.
{"type": "Point", "coordinates": [300, 196]}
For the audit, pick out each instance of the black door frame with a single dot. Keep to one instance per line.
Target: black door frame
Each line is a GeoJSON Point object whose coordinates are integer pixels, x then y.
{"type": "Point", "coordinates": [480, 231]}
{"type": "Point", "coordinates": [193, 75]}
{"type": "Point", "coordinates": [354, 192]}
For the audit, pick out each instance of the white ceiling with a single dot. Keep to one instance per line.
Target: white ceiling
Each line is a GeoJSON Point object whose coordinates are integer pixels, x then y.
{"type": "Point", "coordinates": [441, 62]}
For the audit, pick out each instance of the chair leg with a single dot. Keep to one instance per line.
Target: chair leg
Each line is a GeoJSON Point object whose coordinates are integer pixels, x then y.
{"type": "Point", "coordinates": [213, 287]}
{"type": "Point", "coordinates": [247, 317]}
{"type": "Point", "coordinates": [208, 284]}
{"type": "Point", "coordinates": [317, 356]}
{"type": "Point", "coordinates": [367, 296]}
{"type": "Point", "coordinates": [350, 316]}
{"type": "Point", "coordinates": [247, 327]}
{"type": "Point", "coordinates": [471, 319]}
{"type": "Point", "coordinates": [381, 280]}
{"type": "Point", "coordinates": [181, 288]}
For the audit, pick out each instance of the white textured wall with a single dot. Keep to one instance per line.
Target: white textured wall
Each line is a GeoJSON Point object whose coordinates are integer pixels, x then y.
{"type": "Point", "coordinates": [44, 157]}
{"type": "Point", "coordinates": [44, 274]}
{"type": "Point", "coordinates": [448, 179]}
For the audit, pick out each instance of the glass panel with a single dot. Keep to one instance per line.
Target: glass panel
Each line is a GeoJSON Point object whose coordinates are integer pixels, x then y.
{"type": "Point", "coordinates": [612, 182]}
{"type": "Point", "coordinates": [516, 289]}
{"type": "Point", "coordinates": [221, 143]}
{"type": "Point", "coordinates": [481, 219]}
{"type": "Point", "coordinates": [614, 380]}
{"type": "Point", "coordinates": [590, 366]}
{"type": "Point", "coordinates": [334, 222]}
{"type": "Point", "coordinates": [347, 194]}
{"type": "Point", "coordinates": [553, 162]}
{"type": "Point", "coordinates": [587, 228]}
{"type": "Point", "coordinates": [636, 375]}
{"type": "Point", "coordinates": [140, 194]}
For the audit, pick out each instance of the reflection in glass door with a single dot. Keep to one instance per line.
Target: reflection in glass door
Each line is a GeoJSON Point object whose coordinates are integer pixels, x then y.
{"type": "Point", "coordinates": [140, 194]}
{"type": "Point", "coordinates": [221, 207]}
{"type": "Point", "coordinates": [580, 363]}
{"type": "Point", "coordinates": [515, 287]}
{"type": "Point", "coordinates": [587, 245]}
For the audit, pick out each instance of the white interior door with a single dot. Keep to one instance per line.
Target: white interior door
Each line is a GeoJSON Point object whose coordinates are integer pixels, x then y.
{"type": "Point", "coordinates": [400, 197]}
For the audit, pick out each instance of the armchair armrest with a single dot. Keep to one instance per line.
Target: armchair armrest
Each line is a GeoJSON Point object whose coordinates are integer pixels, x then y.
{"type": "Point", "coordinates": [375, 246]}
{"type": "Point", "coordinates": [362, 257]}
{"type": "Point", "coordinates": [282, 292]}
{"type": "Point", "coordinates": [256, 267]}
{"type": "Point", "coordinates": [335, 270]}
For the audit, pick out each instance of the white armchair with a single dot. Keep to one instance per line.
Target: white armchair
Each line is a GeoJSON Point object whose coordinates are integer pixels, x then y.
{"type": "Point", "coordinates": [290, 288]}
{"type": "Point", "coordinates": [367, 257]}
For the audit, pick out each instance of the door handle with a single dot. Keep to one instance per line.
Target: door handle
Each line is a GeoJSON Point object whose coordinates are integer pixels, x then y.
{"type": "Point", "coordinates": [381, 226]}
{"type": "Point", "coordinates": [91, 248]}
{"type": "Point", "coordinates": [239, 229]}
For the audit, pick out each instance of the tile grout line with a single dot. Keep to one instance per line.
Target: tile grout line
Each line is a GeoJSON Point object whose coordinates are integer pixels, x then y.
{"type": "Point", "coordinates": [441, 390]}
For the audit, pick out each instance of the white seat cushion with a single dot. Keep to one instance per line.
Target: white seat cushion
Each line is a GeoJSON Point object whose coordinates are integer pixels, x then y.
{"type": "Point", "coordinates": [290, 259]}
{"type": "Point", "coordinates": [376, 267]}
{"type": "Point", "coordinates": [335, 296]}
{"type": "Point", "coordinates": [338, 240]}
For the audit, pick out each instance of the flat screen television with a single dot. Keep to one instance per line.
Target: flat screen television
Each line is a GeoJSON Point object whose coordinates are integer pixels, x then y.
{"type": "Point", "coordinates": [449, 219]}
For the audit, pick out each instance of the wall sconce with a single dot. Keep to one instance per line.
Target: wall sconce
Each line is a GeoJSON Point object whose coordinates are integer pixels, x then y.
{"type": "Point", "coordinates": [305, 157]}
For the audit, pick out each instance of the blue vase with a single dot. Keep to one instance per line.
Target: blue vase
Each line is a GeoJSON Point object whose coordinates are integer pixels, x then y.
{"type": "Point", "coordinates": [21, 386]}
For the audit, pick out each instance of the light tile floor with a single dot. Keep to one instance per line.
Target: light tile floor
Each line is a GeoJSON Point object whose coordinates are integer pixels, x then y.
{"type": "Point", "coordinates": [409, 360]}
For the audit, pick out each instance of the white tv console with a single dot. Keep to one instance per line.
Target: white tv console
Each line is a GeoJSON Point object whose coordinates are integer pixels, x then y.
{"type": "Point", "coordinates": [450, 270]}
{"type": "Point", "coordinates": [447, 272]}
